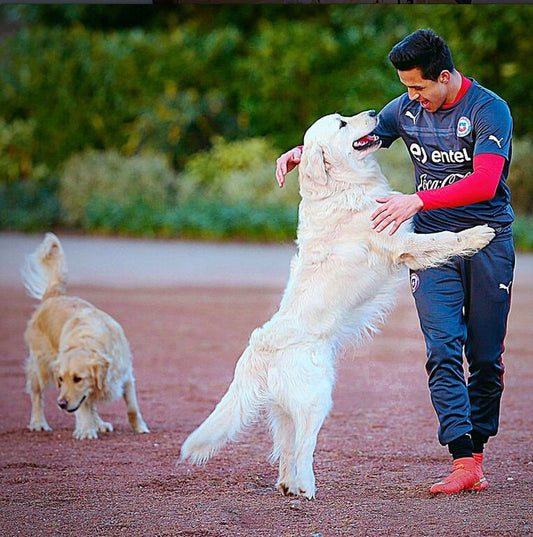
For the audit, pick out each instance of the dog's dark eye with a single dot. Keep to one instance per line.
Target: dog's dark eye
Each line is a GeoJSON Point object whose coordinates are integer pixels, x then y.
{"type": "Point", "coordinates": [342, 123]}
{"type": "Point", "coordinates": [76, 379]}
{"type": "Point", "coordinates": [60, 379]}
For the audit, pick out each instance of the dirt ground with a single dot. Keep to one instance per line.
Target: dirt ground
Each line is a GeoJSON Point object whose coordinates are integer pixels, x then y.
{"type": "Point", "coordinates": [376, 457]}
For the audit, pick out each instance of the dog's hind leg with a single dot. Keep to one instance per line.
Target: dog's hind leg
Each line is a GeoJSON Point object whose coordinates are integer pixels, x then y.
{"type": "Point", "coordinates": [298, 437]}
{"type": "Point", "coordinates": [306, 434]}
{"type": "Point", "coordinates": [304, 395]}
{"type": "Point", "coordinates": [135, 418]}
{"type": "Point", "coordinates": [34, 388]}
{"type": "Point", "coordinates": [282, 428]}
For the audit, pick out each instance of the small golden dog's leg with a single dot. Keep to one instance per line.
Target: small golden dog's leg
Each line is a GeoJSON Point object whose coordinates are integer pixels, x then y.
{"type": "Point", "coordinates": [135, 418]}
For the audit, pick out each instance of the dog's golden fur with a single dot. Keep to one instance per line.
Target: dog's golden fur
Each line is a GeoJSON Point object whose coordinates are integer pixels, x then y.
{"type": "Point", "coordinates": [81, 348]}
{"type": "Point", "coordinates": [341, 285]}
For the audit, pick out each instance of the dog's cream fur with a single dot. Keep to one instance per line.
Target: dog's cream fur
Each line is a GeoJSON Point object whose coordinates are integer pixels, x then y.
{"type": "Point", "coordinates": [341, 285]}
{"type": "Point", "coordinates": [79, 346]}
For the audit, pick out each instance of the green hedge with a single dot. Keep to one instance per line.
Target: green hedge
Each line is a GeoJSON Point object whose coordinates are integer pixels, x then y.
{"type": "Point", "coordinates": [180, 102]}
{"type": "Point", "coordinates": [30, 206]}
{"type": "Point", "coordinates": [240, 172]}
{"type": "Point", "coordinates": [173, 90]}
{"type": "Point", "coordinates": [99, 90]}
{"type": "Point", "coordinates": [227, 192]}
{"type": "Point", "coordinates": [94, 178]}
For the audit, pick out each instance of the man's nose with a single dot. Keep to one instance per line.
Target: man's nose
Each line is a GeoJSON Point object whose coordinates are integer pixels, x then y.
{"type": "Point", "coordinates": [413, 94]}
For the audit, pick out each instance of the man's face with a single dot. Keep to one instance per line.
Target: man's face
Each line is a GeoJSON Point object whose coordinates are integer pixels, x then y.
{"type": "Point", "coordinates": [431, 95]}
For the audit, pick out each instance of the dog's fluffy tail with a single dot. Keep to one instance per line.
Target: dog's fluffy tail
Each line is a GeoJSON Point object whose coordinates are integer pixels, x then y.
{"type": "Point", "coordinates": [237, 409]}
{"type": "Point", "coordinates": [44, 272]}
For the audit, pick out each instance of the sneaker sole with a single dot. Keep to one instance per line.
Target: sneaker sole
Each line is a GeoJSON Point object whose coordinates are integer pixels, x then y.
{"type": "Point", "coordinates": [482, 484]}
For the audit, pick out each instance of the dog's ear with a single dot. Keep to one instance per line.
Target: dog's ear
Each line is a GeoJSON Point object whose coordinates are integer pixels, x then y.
{"type": "Point", "coordinates": [99, 368]}
{"type": "Point", "coordinates": [313, 165]}
{"type": "Point", "coordinates": [54, 369]}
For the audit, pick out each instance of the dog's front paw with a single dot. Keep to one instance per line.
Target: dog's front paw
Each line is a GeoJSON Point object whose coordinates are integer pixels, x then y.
{"type": "Point", "coordinates": [85, 434]}
{"type": "Point", "coordinates": [39, 426]}
{"type": "Point", "coordinates": [476, 237]}
{"type": "Point", "coordinates": [105, 427]}
{"type": "Point", "coordinates": [295, 490]}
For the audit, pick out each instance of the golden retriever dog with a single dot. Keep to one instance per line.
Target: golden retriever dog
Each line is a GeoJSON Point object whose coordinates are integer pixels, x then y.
{"type": "Point", "coordinates": [341, 285]}
{"type": "Point", "coordinates": [79, 346]}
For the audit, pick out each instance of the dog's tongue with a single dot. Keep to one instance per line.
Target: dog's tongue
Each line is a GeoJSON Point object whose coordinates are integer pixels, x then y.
{"type": "Point", "coordinates": [366, 139]}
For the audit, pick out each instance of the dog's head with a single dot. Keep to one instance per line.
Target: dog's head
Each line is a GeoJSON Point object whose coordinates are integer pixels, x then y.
{"type": "Point", "coordinates": [336, 145]}
{"type": "Point", "coordinates": [79, 373]}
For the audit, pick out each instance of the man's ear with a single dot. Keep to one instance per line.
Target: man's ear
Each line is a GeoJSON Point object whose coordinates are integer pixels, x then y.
{"type": "Point", "coordinates": [312, 164]}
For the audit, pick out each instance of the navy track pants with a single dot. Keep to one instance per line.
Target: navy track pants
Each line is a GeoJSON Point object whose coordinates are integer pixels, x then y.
{"type": "Point", "coordinates": [463, 306]}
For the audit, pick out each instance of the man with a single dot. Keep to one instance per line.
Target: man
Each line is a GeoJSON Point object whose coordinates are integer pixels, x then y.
{"type": "Point", "coordinates": [458, 135]}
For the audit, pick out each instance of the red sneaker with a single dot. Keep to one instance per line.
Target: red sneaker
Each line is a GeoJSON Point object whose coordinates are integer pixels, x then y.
{"type": "Point", "coordinates": [482, 482]}
{"type": "Point", "coordinates": [465, 475]}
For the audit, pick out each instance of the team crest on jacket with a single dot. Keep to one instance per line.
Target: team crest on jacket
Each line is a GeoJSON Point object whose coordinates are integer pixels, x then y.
{"type": "Point", "coordinates": [415, 282]}
{"type": "Point", "coordinates": [463, 126]}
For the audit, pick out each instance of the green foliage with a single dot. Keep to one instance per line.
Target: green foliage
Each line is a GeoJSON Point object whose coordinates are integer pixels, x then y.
{"type": "Point", "coordinates": [88, 89]}
{"type": "Point", "coordinates": [523, 233]}
{"type": "Point", "coordinates": [237, 172]}
{"type": "Point", "coordinates": [215, 220]}
{"type": "Point", "coordinates": [109, 193]}
{"type": "Point", "coordinates": [217, 93]}
{"type": "Point", "coordinates": [520, 181]}
{"type": "Point", "coordinates": [94, 179]}
{"type": "Point", "coordinates": [110, 17]}
{"type": "Point", "coordinates": [264, 74]}
{"type": "Point", "coordinates": [397, 167]}
{"type": "Point", "coordinates": [29, 205]}
{"type": "Point", "coordinates": [28, 200]}
{"type": "Point", "coordinates": [177, 122]}
{"type": "Point", "coordinates": [17, 160]}
{"type": "Point", "coordinates": [277, 84]}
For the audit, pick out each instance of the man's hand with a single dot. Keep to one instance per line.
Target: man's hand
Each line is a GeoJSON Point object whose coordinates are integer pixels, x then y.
{"type": "Point", "coordinates": [395, 210]}
{"type": "Point", "coordinates": [287, 162]}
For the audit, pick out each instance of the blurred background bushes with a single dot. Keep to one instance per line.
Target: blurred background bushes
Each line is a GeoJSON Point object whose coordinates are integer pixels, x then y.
{"type": "Point", "coordinates": [166, 121]}
{"type": "Point", "coordinates": [109, 179]}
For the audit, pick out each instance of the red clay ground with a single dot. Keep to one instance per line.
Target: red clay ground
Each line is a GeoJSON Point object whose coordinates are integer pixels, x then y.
{"type": "Point", "coordinates": [370, 480]}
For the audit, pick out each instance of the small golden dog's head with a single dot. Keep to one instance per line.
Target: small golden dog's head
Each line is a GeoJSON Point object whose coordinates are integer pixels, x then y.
{"type": "Point", "coordinates": [339, 144]}
{"type": "Point", "coordinates": [79, 373]}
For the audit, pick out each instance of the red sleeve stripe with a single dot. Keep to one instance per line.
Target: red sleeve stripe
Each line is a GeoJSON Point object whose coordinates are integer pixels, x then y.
{"type": "Point", "coordinates": [479, 186]}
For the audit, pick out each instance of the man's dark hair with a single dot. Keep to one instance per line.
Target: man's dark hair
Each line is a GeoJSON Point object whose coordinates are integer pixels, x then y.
{"type": "Point", "coordinates": [423, 49]}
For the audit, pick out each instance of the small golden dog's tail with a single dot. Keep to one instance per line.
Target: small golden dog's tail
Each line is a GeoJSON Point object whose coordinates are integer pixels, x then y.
{"type": "Point", "coordinates": [45, 271]}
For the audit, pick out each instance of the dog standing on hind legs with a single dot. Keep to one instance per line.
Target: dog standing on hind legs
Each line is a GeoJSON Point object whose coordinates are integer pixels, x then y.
{"type": "Point", "coordinates": [341, 286]}
{"type": "Point", "coordinates": [79, 346]}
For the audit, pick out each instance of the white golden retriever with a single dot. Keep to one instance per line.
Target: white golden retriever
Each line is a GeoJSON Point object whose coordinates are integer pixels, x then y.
{"type": "Point", "coordinates": [79, 346]}
{"type": "Point", "coordinates": [341, 285]}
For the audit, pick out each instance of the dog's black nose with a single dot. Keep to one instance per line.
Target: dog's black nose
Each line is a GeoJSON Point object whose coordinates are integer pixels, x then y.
{"type": "Point", "coordinates": [62, 403]}
{"type": "Point", "coordinates": [372, 113]}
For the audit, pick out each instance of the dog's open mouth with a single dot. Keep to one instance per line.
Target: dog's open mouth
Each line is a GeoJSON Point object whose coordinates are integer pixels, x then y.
{"type": "Point", "coordinates": [70, 410]}
{"type": "Point", "coordinates": [366, 142]}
